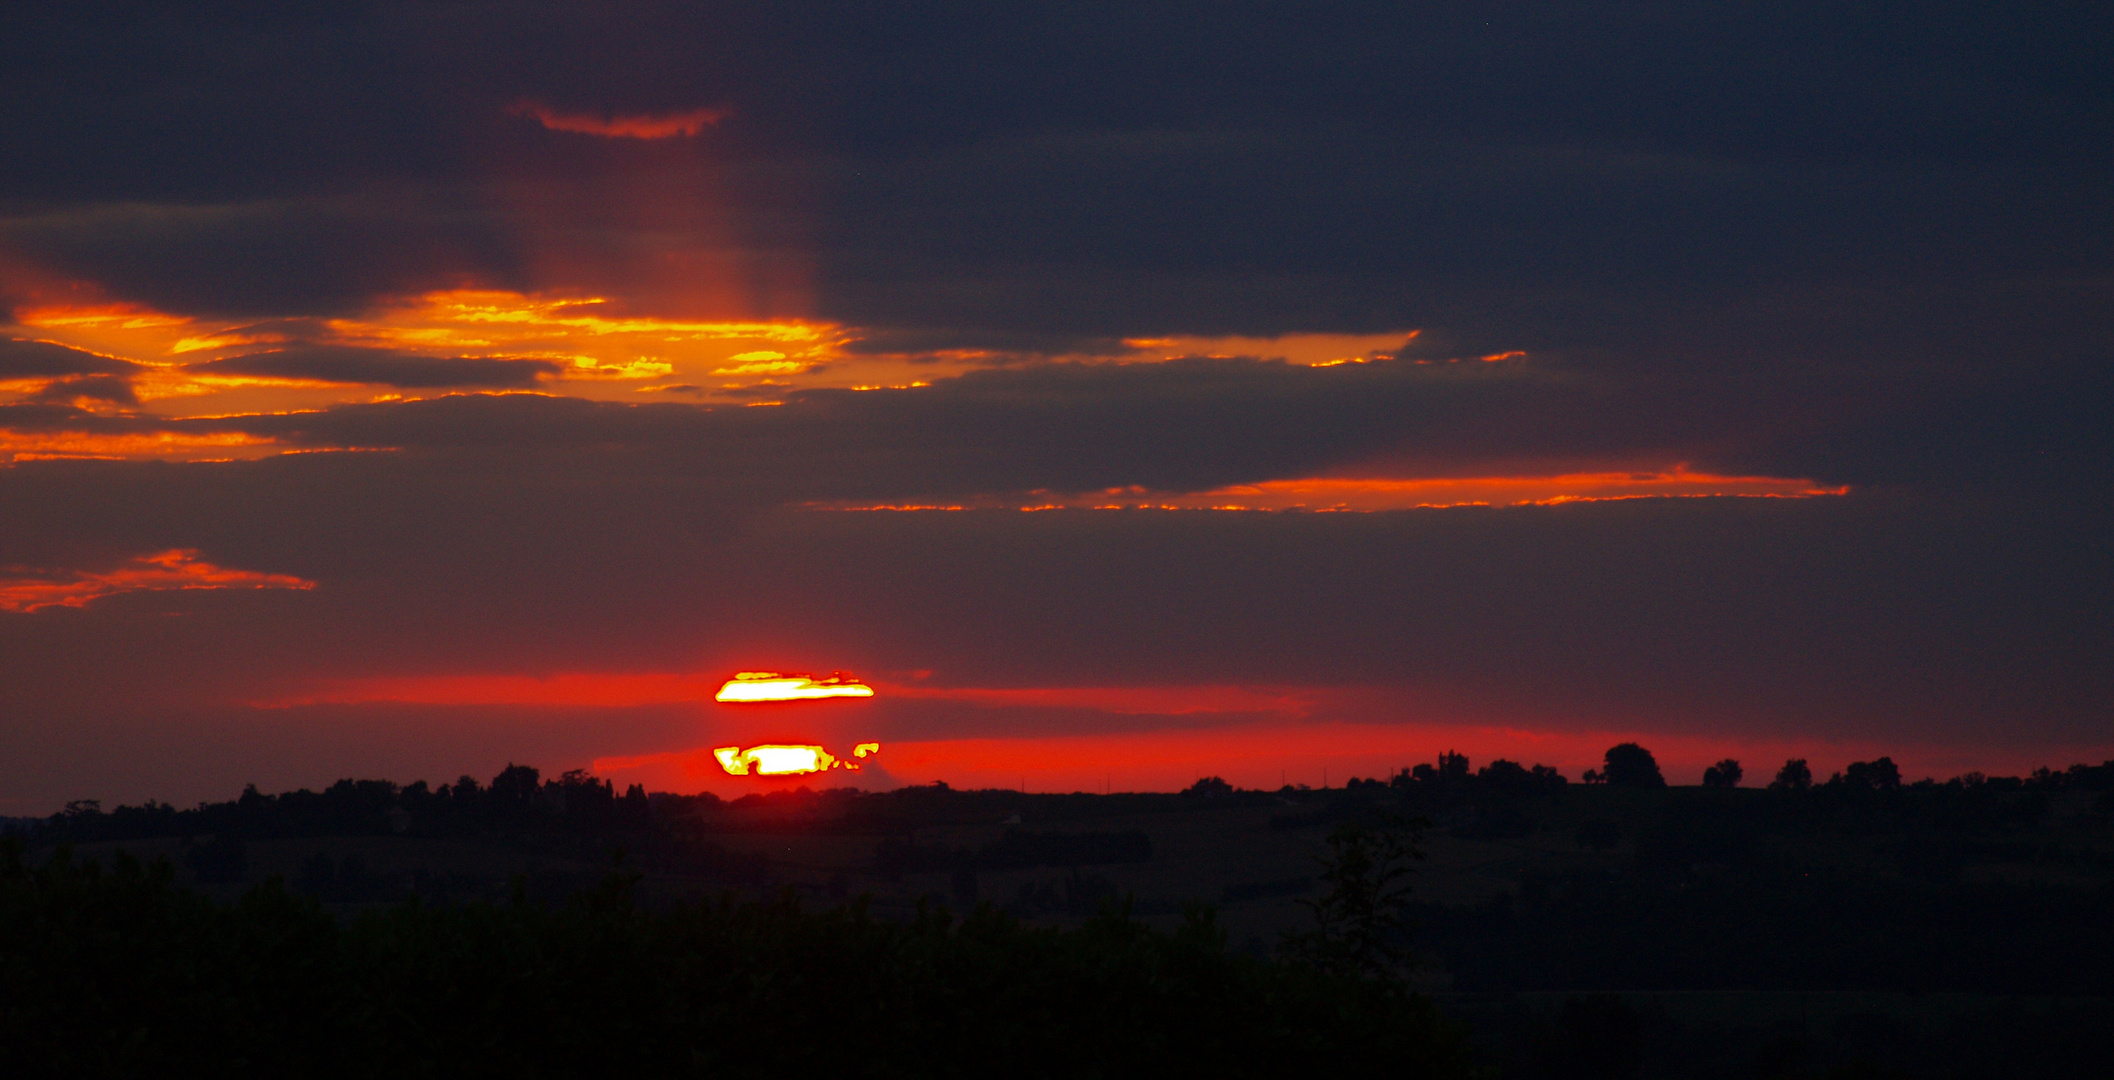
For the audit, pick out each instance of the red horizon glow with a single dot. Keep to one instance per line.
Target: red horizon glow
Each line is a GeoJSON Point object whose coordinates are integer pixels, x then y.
{"type": "Point", "coordinates": [1268, 755]}
{"type": "Point", "coordinates": [1255, 736]}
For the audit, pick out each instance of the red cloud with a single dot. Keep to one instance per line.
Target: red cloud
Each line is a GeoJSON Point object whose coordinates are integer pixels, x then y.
{"type": "Point", "coordinates": [175, 569]}
{"type": "Point", "coordinates": [643, 126]}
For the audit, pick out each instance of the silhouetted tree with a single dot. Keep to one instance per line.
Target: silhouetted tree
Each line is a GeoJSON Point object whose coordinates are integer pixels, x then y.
{"type": "Point", "coordinates": [1453, 767]}
{"type": "Point", "coordinates": [514, 784]}
{"type": "Point", "coordinates": [1208, 786]}
{"type": "Point", "coordinates": [1359, 923]}
{"type": "Point", "coordinates": [1724, 774]}
{"type": "Point", "coordinates": [1794, 776]}
{"type": "Point", "coordinates": [1630, 765]}
{"type": "Point", "coordinates": [1506, 773]}
{"type": "Point", "coordinates": [1880, 775]}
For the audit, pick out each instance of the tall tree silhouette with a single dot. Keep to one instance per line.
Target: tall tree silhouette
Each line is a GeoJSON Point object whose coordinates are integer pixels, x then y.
{"type": "Point", "coordinates": [1359, 924]}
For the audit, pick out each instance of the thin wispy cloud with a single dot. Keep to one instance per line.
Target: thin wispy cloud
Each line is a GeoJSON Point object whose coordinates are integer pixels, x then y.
{"type": "Point", "coordinates": [177, 569]}
{"type": "Point", "coordinates": [675, 125]}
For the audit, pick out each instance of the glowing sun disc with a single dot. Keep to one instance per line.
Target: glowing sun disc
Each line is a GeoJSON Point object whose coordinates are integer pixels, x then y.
{"type": "Point", "coordinates": [774, 759]}
{"type": "Point", "coordinates": [771, 686]}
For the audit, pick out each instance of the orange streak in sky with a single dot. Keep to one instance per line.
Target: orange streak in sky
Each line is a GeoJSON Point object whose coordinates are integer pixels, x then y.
{"type": "Point", "coordinates": [1391, 494]}
{"type": "Point", "coordinates": [122, 316]}
{"type": "Point", "coordinates": [1366, 495]}
{"type": "Point", "coordinates": [637, 126]}
{"type": "Point", "coordinates": [174, 569]}
{"type": "Point", "coordinates": [432, 317]}
{"type": "Point", "coordinates": [167, 445]}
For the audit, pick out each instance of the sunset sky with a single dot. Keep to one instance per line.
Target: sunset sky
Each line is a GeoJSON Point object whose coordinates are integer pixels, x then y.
{"type": "Point", "coordinates": [1127, 393]}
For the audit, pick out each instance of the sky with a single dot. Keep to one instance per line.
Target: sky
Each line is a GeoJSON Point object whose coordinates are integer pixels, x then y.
{"type": "Point", "coordinates": [1126, 392]}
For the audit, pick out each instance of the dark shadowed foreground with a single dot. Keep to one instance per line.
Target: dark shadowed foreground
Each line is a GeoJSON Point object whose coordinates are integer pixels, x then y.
{"type": "Point", "coordinates": [120, 972]}
{"type": "Point", "coordinates": [1623, 927]}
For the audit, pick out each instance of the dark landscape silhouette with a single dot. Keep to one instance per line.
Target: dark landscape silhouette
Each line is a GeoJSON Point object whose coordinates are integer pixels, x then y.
{"type": "Point", "coordinates": [1856, 926]}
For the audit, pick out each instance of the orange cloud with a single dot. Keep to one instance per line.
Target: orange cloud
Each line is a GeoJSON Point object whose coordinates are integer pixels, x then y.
{"type": "Point", "coordinates": [447, 318]}
{"type": "Point", "coordinates": [1334, 493]}
{"type": "Point", "coordinates": [639, 126]}
{"type": "Point", "coordinates": [1365, 495]}
{"type": "Point", "coordinates": [164, 445]}
{"type": "Point", "coordinates": [120, 316]}
{"type": "Point", "coordinates": [602, 352]}
{"type": "Point", "coordinates": [174, 569]}
{"type": "Point", "coordinates": [1311, 350]}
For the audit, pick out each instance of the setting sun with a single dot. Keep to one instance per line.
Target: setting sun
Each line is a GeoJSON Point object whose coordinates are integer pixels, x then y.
{"type": "Point", "coordinates": [748, 686]}
{"type": "Point", "coordinates": [781, 760]}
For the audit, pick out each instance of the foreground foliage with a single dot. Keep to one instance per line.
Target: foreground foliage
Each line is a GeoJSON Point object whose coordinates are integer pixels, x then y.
{"type": "Point", "coordinates": [118, 971]}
